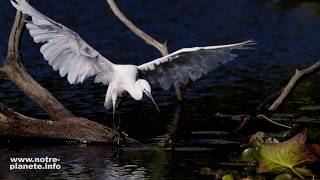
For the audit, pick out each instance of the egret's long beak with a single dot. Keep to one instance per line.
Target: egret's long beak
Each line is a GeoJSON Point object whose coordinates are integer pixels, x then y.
{"type": "Point", "coordinates": [150, 96]}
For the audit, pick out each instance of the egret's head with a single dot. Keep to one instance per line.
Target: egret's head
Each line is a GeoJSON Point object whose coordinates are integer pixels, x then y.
{"type": "Point", "coordinates": [146, 88]}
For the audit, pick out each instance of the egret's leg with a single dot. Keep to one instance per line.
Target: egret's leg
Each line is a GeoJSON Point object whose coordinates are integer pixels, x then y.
{"type": "Point", "coordinates": [121, 133]}
{"type": "Point", "coordinates": [116, 126]}
{"type": "Point", "coordinates": [119, 121]}
{"type": "Point", "coordinates": [113, 112]}
{"type": "Point", "coordinates": [114, 99]}
{"type": "Point", "coordinates": [113, 121]}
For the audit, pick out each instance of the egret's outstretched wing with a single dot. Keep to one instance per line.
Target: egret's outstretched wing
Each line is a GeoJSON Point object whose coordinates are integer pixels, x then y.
{"type": "Point", "coordinates": [189, 63]}
{"type": "Point", "coordinates": [64, 49]}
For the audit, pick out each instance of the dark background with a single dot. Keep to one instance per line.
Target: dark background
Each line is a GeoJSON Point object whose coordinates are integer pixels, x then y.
{"type": "Point", "coordinates": [288, 37]}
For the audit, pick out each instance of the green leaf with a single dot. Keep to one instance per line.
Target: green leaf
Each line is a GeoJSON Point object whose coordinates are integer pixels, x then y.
{"type": "Point", "coordinates": [285, 156]}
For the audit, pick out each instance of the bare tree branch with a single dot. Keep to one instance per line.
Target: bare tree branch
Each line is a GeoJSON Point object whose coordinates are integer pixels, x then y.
{"type": "Point", "coordinates": [161, 47]}
{"type": "Point", "coordinates": [14, 39]}
{"type": "Point", "coordinates": [293, 81]}
{"type": "Point", "coordinates": [17, 74]}
{"type": "Point", "coordinates": [148, 39]}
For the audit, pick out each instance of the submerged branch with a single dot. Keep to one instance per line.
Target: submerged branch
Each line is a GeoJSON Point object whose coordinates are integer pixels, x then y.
{"type": "Point", "coordinates": [293, 81]}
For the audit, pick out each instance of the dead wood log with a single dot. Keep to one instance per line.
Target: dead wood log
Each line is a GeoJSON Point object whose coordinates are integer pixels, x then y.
{"type": "Point", "coordinates": [13, 124]}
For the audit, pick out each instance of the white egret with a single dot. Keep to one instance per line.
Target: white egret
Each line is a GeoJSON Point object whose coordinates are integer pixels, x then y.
{"type": "Point", "coordinates": [69, 54]}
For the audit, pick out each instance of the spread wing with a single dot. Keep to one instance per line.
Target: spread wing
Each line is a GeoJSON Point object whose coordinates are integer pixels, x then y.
{"type": "Point", "coordinates": [64, 49]}
{"type": "Point", "coordinates": [188, 63]}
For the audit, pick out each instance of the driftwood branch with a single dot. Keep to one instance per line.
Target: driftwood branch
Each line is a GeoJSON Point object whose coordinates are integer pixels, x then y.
{"type": "Point", "coordinates": [64, 125]}
{"type": "Point", "coordinates": [161, 47]}
{"type": "Point", "coordinates": [299, 74]}
{"type": "Point", "coordinates": [80, 129]}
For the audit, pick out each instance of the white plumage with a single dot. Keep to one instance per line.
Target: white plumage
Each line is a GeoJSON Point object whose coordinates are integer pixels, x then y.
{"type": "Point", "coordinates": [69, 54]}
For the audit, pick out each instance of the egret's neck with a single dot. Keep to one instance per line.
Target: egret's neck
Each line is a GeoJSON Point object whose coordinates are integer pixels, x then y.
{"type": "Point", "coordinates": [136, 91]}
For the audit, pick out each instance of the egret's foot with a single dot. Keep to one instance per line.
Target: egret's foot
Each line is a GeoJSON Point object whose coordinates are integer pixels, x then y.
{"type": "Point", "coordinates": [120, 137]}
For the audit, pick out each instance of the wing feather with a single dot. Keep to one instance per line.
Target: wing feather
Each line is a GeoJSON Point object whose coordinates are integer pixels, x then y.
{"type": "Point", "coordinates": [64, 49]}
{"type": "Point", "coordinates": [189, 63]}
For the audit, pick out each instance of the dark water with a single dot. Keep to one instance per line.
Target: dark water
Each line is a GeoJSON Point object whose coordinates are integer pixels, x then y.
{"type": "Point", "coordinates": [288, 37]}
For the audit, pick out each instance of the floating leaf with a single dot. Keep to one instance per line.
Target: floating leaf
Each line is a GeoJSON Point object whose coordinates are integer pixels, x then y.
{"type": "Point", "coordinates": [285, 156]}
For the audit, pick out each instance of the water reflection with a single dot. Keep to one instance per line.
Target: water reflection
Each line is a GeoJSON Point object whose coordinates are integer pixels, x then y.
{"type": "Point", "coordinates": [103, 162]}
{"type": "Point", "coordinates": [93, 162]}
